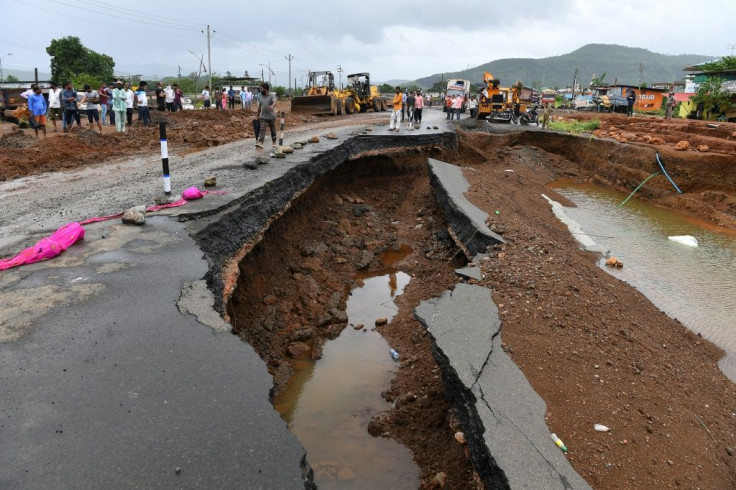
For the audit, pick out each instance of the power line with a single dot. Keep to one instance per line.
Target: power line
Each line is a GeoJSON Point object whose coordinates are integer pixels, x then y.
{"type": "Point", "coordinates": [118, 15]}
{"type": "Point", "coordinates": [160, 18]}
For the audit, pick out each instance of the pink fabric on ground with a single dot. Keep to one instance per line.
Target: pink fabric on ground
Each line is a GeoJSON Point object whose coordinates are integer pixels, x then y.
{"type": "Point", "coordinates": [46, 248]}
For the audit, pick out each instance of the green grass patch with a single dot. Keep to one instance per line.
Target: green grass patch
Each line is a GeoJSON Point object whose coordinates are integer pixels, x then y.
{"type": "Point", "coordinates": [575, 127]}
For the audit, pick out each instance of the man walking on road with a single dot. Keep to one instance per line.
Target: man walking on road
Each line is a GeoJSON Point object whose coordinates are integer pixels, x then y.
{"type": "Point", "coordinates": [410, 100]}
{"type": "Point", "coordinates": [398, 104]}
{"type": "Point", "coordinates": [119, 99]}
{"type": "Point", "coordinates": [266, 115]}
{"type": "Point", "coordinates": [418, 107]}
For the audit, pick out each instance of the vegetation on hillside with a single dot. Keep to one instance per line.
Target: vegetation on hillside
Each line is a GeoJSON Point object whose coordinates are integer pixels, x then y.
{"type": "Point", "coordinates": [621, 64]}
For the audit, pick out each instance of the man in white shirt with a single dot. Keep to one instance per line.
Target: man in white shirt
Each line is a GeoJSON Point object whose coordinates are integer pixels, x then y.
{"type": "Point", "coordinates": [141, 101]}
{"type": "Point", "coordinates": [55, 106]}
{"type": "Point", "coordinates": [206, 97]}
{"type": "Point", "coordinates": [169, 97]}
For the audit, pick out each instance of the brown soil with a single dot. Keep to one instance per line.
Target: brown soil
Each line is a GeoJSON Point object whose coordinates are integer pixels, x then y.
{"type": "Point", "coordinates": [718, 137]}
{"type": "Point", "coordinates": [595, 349]}
{"type": "Point", "coordinates": [187, 131]}
{"type": "Point", "coordinates": [313, 256]}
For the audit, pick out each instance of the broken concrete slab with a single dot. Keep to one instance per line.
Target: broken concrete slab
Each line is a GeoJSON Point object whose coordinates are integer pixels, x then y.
{"type": "Point", "coordinates": [469, 273]}
{"type": "Point", "coordinates": [502, 415]}
{"type": "Point", "coordinates": [465, 219]}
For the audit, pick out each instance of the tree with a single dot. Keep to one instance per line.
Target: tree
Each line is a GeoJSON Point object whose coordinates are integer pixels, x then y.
{"type": "Point", "coordinates": [711, 93]}
{"type": "Point", "coordinates": [11, 78]}
{"type": "Point", "coordinates": [597, 81]}
{"type": "Point", "coordinates": [386, 88]}
{"type": "Point", "coordinates": [70, 58]}
{"type": "Point", "coordinates": [438, 86]}
{"type": "Point", "coordinates": [79, 81]}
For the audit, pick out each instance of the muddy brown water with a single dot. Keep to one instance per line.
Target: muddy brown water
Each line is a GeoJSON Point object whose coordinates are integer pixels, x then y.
{"type": "Point", "coordinates": [696, 285]}
{"type": "Point", "coordinates": [329, 402]}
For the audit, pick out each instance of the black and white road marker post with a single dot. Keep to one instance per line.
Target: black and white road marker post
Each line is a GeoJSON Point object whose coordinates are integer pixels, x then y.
{"type": "Point", "coordinates": [281, 128]}
{"type": "Point", "coordinates": [165, 158]}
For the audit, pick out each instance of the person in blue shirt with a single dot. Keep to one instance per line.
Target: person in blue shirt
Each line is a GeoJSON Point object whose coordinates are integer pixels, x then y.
{"type": "Point", "coordinates": [231, 98]}
{"type": "Point", "coordinates": [38, 107]}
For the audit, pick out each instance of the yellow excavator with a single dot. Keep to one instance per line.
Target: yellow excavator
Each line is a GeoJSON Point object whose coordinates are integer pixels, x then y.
{"type": "Point", "coordinates": [500, 104]}
{"type": "Point", "coordinates": [321, 96]}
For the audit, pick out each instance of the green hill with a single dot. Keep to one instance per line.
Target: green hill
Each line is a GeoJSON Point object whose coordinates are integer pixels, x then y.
{"type": "Point", "coordinates": [617, 62]}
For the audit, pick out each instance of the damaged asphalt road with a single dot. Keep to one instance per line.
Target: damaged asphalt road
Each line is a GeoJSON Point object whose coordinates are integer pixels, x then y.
{"type": "Point", "coordinates": [109, 379]}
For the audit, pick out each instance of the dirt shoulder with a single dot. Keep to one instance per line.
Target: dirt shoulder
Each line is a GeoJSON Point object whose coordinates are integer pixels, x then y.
{"type": "Point", "coordinates": [21, 153]}
{"type": "Point", "coordinates": [597, 350]}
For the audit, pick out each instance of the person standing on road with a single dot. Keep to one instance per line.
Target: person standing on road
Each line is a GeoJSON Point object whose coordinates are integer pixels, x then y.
{"type": "Point", "coordinates": [410, 100]}
{"type": "Point", "coordinates": [403, 106]}
{"type": "Point", "coordinates": [231, 98]}
{"type": "Point", "coordinates": [119, 106]}
{"type": "Point", "coordinates": [670, 105]}
{"type": "Point", "coordinates": [160, 97]}
{"type": "Point", "coordinates": [457, 106]}
{"type": "Point", "coordinates": [545, 115]}
{"type": "Point", "coordinates": [448, 107]}
{"type": "Point", "coordinates": [37, 106]}
{"type": "Point", "coordinates": [169, 99]}
{"type": "Point", "coordinates": [244, 103]}
{"type": "Point", "coordinates": [91, 101]}
{"type": "Point", "coordinates": [55, 106]}
{"type": "Point", "coordinates": [71, 112]}
{"type": "Point", "coordinates": [178, 94]}
{"type": "Point", "coordinates": [473, 106]}
{"type": "Point", "coordinates": [418, 108]}
{"type": "Point", "coordinates": [223, 95]}
{"type": "Point", "coordinates": [129, 104]}
{"type": "Point", "coordinates": [630, 100]}
{"type": "Point", "coordinates": [102, 92]}
{"type": "Point", "coordinates": [397, 112]}
{"type": "Point", "coordinates": [206, 97]}
{"type": "Point", "coordinates": [266, 115]}
{"type": "Point", "coordinates": [141, 101]}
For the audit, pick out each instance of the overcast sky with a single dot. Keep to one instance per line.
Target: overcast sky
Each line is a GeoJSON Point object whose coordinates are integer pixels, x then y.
{"type": "Point", "coordinates": [390, 39]}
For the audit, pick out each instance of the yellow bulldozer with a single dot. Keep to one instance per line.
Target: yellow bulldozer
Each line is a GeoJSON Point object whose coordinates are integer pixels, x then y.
{"type": "Point", "coordinates": [322, 97]}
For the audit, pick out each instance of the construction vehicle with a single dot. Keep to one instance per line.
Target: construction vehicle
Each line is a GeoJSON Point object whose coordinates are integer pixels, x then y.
{"type": "Point", "coordinates": [320, 97]}
{"type": "Point", "coordinates": [360, 95]}
{"type": "Point", "coordinates": [503, 104]}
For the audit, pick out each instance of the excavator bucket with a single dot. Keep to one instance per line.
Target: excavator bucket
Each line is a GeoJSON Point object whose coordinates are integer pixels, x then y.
{"type": "Point", "coordinates": [314, 104]}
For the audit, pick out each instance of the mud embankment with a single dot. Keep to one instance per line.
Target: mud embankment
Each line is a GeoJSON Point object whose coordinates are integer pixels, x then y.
{"type": "Point", "coordinates": [707, 180]}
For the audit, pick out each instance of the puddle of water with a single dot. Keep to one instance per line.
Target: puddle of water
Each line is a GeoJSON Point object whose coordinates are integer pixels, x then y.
{"type": "Point", "coordinates": [329, 402]}
{"type": "Point", "coordinates": [694, 285]}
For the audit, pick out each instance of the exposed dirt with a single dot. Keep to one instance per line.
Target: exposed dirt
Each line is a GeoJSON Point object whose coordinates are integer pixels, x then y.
{"type": "Point", "coordinates": [187, 131]}
{"type": "Point", "coordinates": [707, 180]}
{"type": "Point", "coordinates": [595, 349]}
{"type": "Point", "coordinates": [312, 256]}
{"type": "Point", "coordinates": [718, 137]}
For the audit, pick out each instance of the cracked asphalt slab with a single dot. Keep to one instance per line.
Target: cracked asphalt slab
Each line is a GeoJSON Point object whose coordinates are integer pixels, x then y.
{"type": "Point", "coordinates": [465, 326]}
{"type": "Point", "coordinates": [116, 371]}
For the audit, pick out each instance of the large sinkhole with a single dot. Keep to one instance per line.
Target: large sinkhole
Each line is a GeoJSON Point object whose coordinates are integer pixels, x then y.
{"type": "Point", "coordinates": [362, 246]}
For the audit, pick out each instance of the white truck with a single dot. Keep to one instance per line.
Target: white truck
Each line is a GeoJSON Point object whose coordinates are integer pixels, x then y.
{"type": "Point", "coordinates": [456, 86]}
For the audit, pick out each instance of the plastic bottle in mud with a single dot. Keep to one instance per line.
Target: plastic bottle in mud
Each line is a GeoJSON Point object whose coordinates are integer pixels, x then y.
{"type": "Point", "coordinates": [394, 355]}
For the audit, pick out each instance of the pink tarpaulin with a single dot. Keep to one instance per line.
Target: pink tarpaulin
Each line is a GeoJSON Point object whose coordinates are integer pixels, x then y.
{"type": "Point", "coordinates": [70, 233]}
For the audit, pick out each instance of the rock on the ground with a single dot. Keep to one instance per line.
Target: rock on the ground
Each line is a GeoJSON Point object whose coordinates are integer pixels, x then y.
{"type": "Point", "coordinates": [381, 321]}
{"type": "Point", "coordinates": [366, 258]}
{"type": "Point", "coordinates": [251, 165]}
{"type": "Point", "coordinates": [287, 149]}
{"type": "Point", "coordinates": [314, 139]}
{"type": "Point", "coordinates": [297, 146]}
{"type": "Point", "coordinates": [331, 136]}
{"type": "Point", "coordinates": [210, 182]}
{"type": "Point", "coordinates": [682, 145]}
{"type": "Point", "coordinates": [135, 216]}
{"type": "Point", "coordinates": [439, 480]}
{"type": "Point", "coordinates": [703, 148]}
{"type": "Point", "coordinates": [297, 349]}
{"type": "Point", "coordinates": [279, 154]}
{"type": "Point", "coordinates": [262, 160]}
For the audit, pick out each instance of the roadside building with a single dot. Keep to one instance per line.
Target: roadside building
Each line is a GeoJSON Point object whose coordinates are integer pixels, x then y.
{"type": "Point", "coordinates": [723, 68]}
{"type": "Point", "coordinates": [648, 99]}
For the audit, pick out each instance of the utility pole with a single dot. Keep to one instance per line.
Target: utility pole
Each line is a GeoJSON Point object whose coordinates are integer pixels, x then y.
{"type": "Point", "coordinates": [209, 61]}
{"type": "Point", "coordinates": [289, 58]}
{"type": "Point", "coordinates": [339, 71]}
{"type": "Point", "coordinates": [641, 77]}
{"type": "Point", "coordinates": [732, 47]}
{"type": "Point", "coordinates": [574, 82]}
